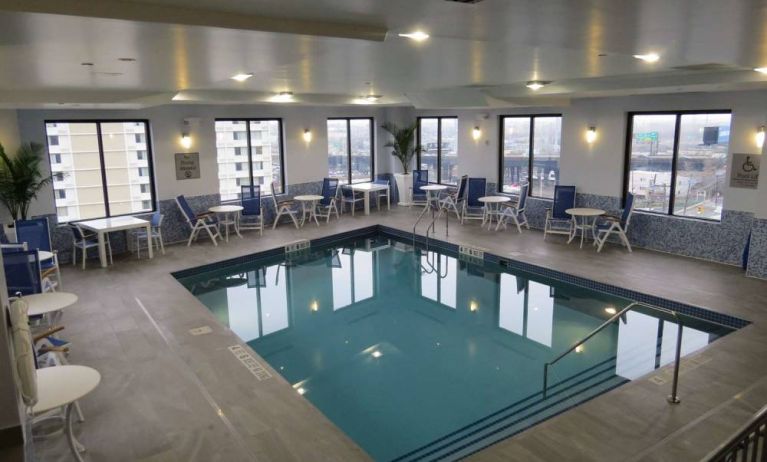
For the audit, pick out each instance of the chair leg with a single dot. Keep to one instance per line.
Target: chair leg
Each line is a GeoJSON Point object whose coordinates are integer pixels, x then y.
{"type": "Point", "coordinates": [212, 236]}
{"type": "Point", "coordinates": [276, 219]}
{"type": "Point", "coordinates": [625, 239]}
{"type": "Point", "coordinates": [109, 245]}
{"type": "Point", "coordinates": [74, 254]}
{"type": "Point", "coordinates": [85, 251]}
{"type": "Point", "coordinates": [162, 244]}
{"type": "Point", "coordinates": [138, 248]}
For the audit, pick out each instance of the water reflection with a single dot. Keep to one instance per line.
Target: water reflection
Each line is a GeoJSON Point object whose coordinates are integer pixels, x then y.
{"type": "Point", "coordinates": [439, 278]}
{"type": "Point", "coordinates": [526, 308]}
{"type": "Point", "coordinates": [352, 274]}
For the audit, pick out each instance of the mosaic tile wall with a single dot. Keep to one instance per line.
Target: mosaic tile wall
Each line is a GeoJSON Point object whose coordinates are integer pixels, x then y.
{"type": "Point", "coordinates": [757, 256]}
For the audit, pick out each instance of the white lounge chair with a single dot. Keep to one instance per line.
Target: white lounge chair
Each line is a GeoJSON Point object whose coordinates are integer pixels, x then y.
{"type": "Point", "coordinates": [617, 225]}
{"type": "Point", "coordinates": [516, 213]}
{"type": "Point", "coordinates": [198, 222]}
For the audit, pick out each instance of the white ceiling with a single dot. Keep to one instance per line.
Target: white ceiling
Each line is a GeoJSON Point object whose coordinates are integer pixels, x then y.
{"type": "Point", "coordinates": [325, 51]}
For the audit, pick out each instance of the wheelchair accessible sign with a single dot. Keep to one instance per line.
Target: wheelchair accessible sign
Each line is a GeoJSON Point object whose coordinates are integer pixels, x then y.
{"type": "Point", "coordinates": [745, 171]}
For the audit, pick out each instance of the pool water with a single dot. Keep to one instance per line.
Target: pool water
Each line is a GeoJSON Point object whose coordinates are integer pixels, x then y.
{"type": "Point", "coordinates": [422, 356]}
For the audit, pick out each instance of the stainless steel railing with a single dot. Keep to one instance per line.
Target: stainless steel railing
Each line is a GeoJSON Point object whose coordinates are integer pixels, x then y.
{"type": "Point", "coordinates": [747, 444]}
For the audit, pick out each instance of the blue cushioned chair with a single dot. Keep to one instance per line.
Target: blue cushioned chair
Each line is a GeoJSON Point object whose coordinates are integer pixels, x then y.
{"type": "Point", "coordinates": [420, 178]}
{"type": "Point", "coordinates": [327, 205]}
{"type": "Point", "coordinates": [618, 225]}
{"type": "Point", "coordinates": [453, 201]}
{"type": "Point", "coordinates": [22, 272]}
{"type": "Point", "coordinates": [156, 226]}
{"type": "Point", "coordinates": [473, 209]}
{"type": "Point", "coordinates": [36, 234]}
{"type": "Point", "coordinates": [557, 220]}
{"type": "Point", "coordinates": [198, 222]}
{"type": "Point", "coordinates": [84, 241]}
{"type": "Point", "coordinates": [251, 216]}
{"type": "Point", "coordinates": [351, 197]}
{"type": "Point", "coordinates": [385, 193]}
{"type": "Point", "coordinates": [516, 213]}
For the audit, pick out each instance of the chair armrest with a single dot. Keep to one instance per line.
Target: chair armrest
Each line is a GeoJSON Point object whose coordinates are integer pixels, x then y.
{"type": "Point", "coordinates": [48, 272]}
{"type": "Point", "coordinates": [46, 333]}
{"type": "Point", "coordinates": [611, 217]}
{"type": "Point", "coordinates": [47, 349]}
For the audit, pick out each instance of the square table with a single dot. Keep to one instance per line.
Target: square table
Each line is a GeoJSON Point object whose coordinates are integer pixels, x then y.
{"type": "Point", "coordinates": [108, 225]}
{"type": "Point", "coordinates": [367, 188]}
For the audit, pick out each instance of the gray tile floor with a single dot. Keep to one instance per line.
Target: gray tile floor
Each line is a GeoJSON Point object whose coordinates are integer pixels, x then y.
{"type": "Point", "coordinates": [167, 395]}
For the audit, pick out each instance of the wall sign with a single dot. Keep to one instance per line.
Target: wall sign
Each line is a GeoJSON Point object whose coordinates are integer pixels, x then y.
{"type": "Point", "coordinates": [745, 171]}
{"type": "Point", "coordinates": [187, 165]}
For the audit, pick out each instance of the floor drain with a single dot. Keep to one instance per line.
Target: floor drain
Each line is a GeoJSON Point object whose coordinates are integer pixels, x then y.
{"type": "Point", "coordinates": [250, 362]}
{"type": "Point", "coordinates": [201, 330]}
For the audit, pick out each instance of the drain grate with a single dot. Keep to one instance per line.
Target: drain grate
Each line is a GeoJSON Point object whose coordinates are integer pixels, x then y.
{"type": "Point", "coordinates": [202, 330]}
{"type": "Point", "coordinates": [250, 362]}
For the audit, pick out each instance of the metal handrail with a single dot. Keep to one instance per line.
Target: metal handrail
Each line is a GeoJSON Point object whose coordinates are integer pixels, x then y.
{"type": "Point", "coordinates": [673, 398]}
{"type": "Point", "coordinates": [744, 444]}
{"type": "Point", "coordinates": [431, 228]}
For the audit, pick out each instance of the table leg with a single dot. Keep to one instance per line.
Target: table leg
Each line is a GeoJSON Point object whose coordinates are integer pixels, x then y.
{"type": "Point", "coordinates": [583, 229]}
{"type": "Point", "coordinates": [102, 249]}
{"type": "Point", "coordinates": [148, 228]}
{"type": "Point", "coordinates": [73, 444]}
{"type": "Point", "coordinates": [573, 230]}
{"type": "Point", "coordinates": [314, 213]}
{"type": "Point", "coordinates": [237, 224]}
{"type": "Point", "coordinates": [366, 196]}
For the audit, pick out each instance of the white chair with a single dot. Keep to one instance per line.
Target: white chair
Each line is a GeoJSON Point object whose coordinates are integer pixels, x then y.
{"type": "Point", "coordinates": [288, 208]}
{"type": "Point", "coordinates": [453, 201]}
{"type": "Point", "coordinates": [156, 229]}
{"type": "Point", "coordinates": [84, 241]}
{"type": "Point", "coordinates": [197, 223]}
{"type": "Point", "coordinates": [516, 213]}
{"type": "Point", "coordinates": [617, 225]}
{"type": "Point", "coordinates": [351, 197]}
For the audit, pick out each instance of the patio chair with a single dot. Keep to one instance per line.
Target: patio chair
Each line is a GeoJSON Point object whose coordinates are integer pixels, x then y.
{"type": "Point", "coordinates": [198, 222]}
{"type": "Point", "coordinates": [473, 209]}
{"type": "Point", "coordinates": [557, 220]}
{"type": "Point", "coordinates": [84, 240]}
{"type": "Point", "coordinates": [351, 197]}
{"type": "Point", "coordinates": [251, 216]}
{"type": "Point", "coordinates": [617, 225]}
{"type": "Point", "coordinates": [385, 193]}
{"type": "Point", "coordinates": [36, 234]}
{"type": "Point", "coordinates": [453, 201]}
{"type": "Point", "coordinates": [327, 205]}
{"type": "Point", "coordinates": [22, 272]}
{"type": "Point", "coordinates": [156, 230]}
{"type": "Point", "coordinates": [418, 197]}
{"type": "Point", "coordinates": [516, 213]}
{"type": "Point", "coordinates": [286, 207]}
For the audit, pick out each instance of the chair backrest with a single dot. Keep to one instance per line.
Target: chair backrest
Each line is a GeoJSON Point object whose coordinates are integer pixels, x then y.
{"type": "Point", "coordinates": [156, 220]}
{"type": "Point", "coordinates": [420, 178]}
{"type": "Point", "coordinates": [77, 232]}
{"type": "Point", "coordinates": [35, 233]}
{"type": "Point", "coordinates": [274, 195]}
{"type": "Point", "coordinates": [347, 192]}
{"type": "Point", "coordinates": [477, 187]}
{"type": "Point", "coordinates": [329, 190]}
{"type": "Point", "coordinates": [22, 272]}
{"type": "Point", "coordinates": [523, 192]}
{"type": "Point", "coordinates": [251, 200]}
{"type": "Point", "coordinates": [462, 187]}
{"type": "Point", "coordinates": [381, 181]}
{"type": "Point", "coordinates": [564, 198]}
{"type": "Point", "coordinates": [627, 209]}
{"type": "Point", "coordinates": [191, 218]}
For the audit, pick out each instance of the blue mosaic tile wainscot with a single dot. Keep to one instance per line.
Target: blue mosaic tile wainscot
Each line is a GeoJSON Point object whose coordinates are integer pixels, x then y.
{"type": "Point", "coordinates": [757, 256]}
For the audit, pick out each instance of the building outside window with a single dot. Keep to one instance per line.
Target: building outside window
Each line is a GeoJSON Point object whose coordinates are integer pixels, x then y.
{"type": "Point", "coordinates": [438, 138]}
{"type": "Point", "coordinates": [258, 139]}
{"type": "Point", "coordinates": [96, 169]}
{"type": "Point", "coordinates": [530, 152]}
{"type": "Point", "coordinates": [676, 162]}
{"type": "Point", "coordinates": [350, 149]}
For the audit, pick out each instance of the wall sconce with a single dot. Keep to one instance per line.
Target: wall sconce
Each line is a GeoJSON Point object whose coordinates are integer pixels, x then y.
{"type": "Point", "coordinates": [307, 136]}
{"type": "Point", "coordinates": [186, 137]}
{"type": "Point", "coordinates": [591, 134]}
{"type": "Point", "coordinates": [759, 138]}
{"type": "Point", "coordinates": [476, 133]}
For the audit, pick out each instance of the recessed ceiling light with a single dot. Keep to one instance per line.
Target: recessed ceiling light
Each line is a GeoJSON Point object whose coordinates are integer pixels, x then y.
{"type": "Point", "coordinates": [377, 354]}
{"type": "Point", "coordinates": [242, 77]}
{"type": "Point", "coordinates": [127, 60]}
{"type": "Point", "coordinates": [761, 70]}
{"type": "Point", "coordinates": [649, 57]}
{"type": "Point", "coordinates": [536, 85]}
{"type": "Point", "coordinates": [418, 35]}
{"type": "Point", "coordinates": [372, 98]}
{"type": "Point", "coordinates": [283, 97]}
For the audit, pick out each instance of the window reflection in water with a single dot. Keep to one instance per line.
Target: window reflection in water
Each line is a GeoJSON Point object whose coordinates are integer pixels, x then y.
{"type": "Point", "coordinates": [439, 284]}
{"type": "Point", "coordinates": [352, 274]}
{"type": "Point", "coordinates": [526, 308]}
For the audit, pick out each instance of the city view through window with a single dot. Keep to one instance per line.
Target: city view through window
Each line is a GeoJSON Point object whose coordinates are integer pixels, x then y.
{"type": "Point", "coordinates": [544, 144]}
{"type": "Point", "coordinates": [350, 150]}
{"type": "Point", "coordinates": [439, 148]}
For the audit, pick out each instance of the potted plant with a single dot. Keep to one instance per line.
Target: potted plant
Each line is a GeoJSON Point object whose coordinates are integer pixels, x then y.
{"type": "Point", "coordinates": [21, 179]}
{"type": "Point", "coordinates": [403, 148]}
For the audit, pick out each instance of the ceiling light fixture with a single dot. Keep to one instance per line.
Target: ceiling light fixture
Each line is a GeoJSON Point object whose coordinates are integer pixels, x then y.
{"type": "Point", "coordinates": [610, 310]}
{"type": "Point", "coordinates": [418, 35]}
{"type": "Point", "coordinates": [536, 85]}
{"type": "Point", "coordinates": [648, 58]}
{"type": "Point", "coordinates": [372, 98]}
{"type": "Point", "coordinates": [761, 70]}
{"type": "Point", "coordinates": [242, 76]}
{"type": "Point", "coordinates": [283, 97]}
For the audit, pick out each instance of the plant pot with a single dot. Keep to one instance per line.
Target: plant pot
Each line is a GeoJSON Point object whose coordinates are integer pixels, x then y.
{"type": "Point", "coordinates": [10, 231]}
{"type": "Point", "coordinates": [404, 182]}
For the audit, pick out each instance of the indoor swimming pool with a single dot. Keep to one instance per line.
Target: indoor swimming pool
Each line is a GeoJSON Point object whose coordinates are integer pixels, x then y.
{"type": "Point", "coordinates": [424, 355]}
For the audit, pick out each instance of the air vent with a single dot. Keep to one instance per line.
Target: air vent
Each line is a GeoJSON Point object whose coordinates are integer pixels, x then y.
{"type": "Point", "coordinates": [708, 67]}
{"type": "Point", "coordinates": [464, 1]}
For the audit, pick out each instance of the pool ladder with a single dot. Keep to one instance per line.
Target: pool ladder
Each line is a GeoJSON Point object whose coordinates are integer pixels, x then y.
{"type": "Point", "coordinates": [431, 228]}
{"type": "Point", "coordinates": [673, 398]}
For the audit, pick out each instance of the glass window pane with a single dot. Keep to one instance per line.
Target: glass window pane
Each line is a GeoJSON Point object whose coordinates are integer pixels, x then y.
{"type": "Point", "coordinates": [449, 152]}
{"type": "Point", "coordinates": [231, 150]}
{"type": "Point", "coordinates": [265, 154]}
{"type": "Point", "coordinates": [76, 167]}
{"type": "Point", "coordinates": [127, 169]}
{"type": "Point", "coordinates": [652, 153]}
{"type": "Point", "coordinates": [701, 165]}
{"type": "Point", "coordinates": [361, 149]}
{"type": "Point", "coordinates": [547, 142]}
{"type": "Point", "coordinates": [429, 150]}
{"type": "Point", "coordinates": [516, 152]}
{"type": "Point", "coordinates": [338, 166]}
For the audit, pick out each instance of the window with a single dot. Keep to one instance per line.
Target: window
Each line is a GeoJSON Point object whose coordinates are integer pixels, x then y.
{"type": "Point", "coordinates": [676, 162]}
{"type": "Point", "coordinates": [140, 155]}
{"type": "Point", "coordinates": [144, 188]}
{"type": "Point", "coordinates": [438, 138]}
{"type": "Point", "coordinates": [61, 193]}
{"type": "Point", "coordinates": [56, 158]}
{"type": "Point", "coordinates": [100, 172]}
{"type": "Point", "coordinates": [350, 149]}
{"type": "Point", "coordinates": [530, 152]}
{"type": "Point", "coordinates": [250, 137]}
{"type": "Point", "coordinates": [53, 141]}
{"type": "Point", "coordinates": [139, 137]}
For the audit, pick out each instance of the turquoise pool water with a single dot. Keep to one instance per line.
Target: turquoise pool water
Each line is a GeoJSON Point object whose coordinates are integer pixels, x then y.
{"type": "Point", "coordinates": [422, 356]}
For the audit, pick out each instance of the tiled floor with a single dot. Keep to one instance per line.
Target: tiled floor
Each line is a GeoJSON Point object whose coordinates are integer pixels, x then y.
{"type": "Point", "coordinates": [167, 395]}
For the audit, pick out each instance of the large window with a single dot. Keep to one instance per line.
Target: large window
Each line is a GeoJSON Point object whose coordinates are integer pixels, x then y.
{"type": "Point", "coordinates": [350, 149]}
{"type": "Point", "coordinates": [438, 138]}
{"type": "Point", "coordinates": [249, 151]}
{"type": "Point", "coordinates": [101, 168]}
{"type": "Point", "coordinates": [676, 162]}
{"type": "Point", "coordinates": [530, 150]}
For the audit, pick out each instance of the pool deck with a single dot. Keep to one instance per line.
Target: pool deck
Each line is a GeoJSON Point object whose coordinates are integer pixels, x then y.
{"type": "Point", "coordinates": [167, 395]}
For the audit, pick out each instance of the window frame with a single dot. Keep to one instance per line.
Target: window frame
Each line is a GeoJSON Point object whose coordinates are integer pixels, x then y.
{"type": "Point", "coordinates": [531, 148]}
{"type": "Point", "coordinates": [348, 121]}
{"type": "Point", "coordinates": [98, 122]}
{"type": "Point", "coordinates": [674, 157]}
{"type": "Point", "coordinates": [439, 143]}
{"type": "Point", "coordinates": [248, 120]}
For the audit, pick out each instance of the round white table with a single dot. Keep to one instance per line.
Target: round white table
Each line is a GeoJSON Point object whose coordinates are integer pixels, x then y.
{"type": "Point", "coordinates": [588, 219]}
{"type": "Point", "coordinates": [492, 208]}
{"type": "Point", "coordinates": [61, 386]}
{"type": "Point", "coordinates": [308, 206]}
{"type": "Point", "coordinates": [227, 211]}
{"type": "Point", "coordinates": [432, 193]}
{"type": "Point", "coordinates": [48, 302]}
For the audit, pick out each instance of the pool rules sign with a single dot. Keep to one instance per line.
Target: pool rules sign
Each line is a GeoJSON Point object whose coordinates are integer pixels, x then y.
{"type": "Point", "coordinates": [745, 171]}
{"type": "Point", "coordinates": [187, 165]}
